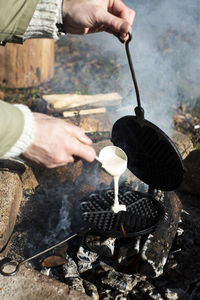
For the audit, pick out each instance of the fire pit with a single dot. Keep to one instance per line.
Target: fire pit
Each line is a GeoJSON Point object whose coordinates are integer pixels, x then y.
{"type": "Point", "coordinates": [106, 264]}
{"type": "Point", "coordinates": [137, 266]}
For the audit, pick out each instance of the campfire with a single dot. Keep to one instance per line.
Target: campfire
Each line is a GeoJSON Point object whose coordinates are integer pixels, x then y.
{"type": "Point", "coordinates": [110, 255]}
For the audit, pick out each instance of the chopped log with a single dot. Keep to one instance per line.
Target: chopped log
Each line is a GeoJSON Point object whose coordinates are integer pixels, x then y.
{"type": "Point", "coordinates": [184, 121]}
{"type": "Point", "coordinates": [92, 111]}
{"type": "Point", "coordinates": [27, 65]}
{"type": "Point", "coordinates": [66, 101]}
{"type": "Point", "coordinates": [157, 246]}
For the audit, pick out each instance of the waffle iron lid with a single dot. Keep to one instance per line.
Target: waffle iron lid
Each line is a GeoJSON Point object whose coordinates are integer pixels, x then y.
{"type": "Point", "coordinates": [152, 155]}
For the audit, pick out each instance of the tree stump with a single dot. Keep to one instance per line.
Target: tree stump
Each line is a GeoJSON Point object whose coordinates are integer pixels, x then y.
{"type": "Point", "coordinates": [27, 65]}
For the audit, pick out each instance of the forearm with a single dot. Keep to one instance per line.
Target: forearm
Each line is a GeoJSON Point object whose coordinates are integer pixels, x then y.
{"type": "Point", "coordinates": [40, 138]}
{"type": "Point", "coordinates": [16, 129]}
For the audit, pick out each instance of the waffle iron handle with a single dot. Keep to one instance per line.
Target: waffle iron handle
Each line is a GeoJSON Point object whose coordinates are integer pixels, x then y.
{"type": "Point", "coordinates": [139, 111]}
{"type": "Point", "coordinates": [15, 265]}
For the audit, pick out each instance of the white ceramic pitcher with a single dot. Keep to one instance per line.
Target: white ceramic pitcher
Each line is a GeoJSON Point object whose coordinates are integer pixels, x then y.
{"type": "Point", "coordinates": [114, 161]}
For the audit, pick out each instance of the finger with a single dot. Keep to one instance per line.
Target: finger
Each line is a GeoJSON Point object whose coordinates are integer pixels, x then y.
{"type": "Point", "coordinates": [83, 151]}
{"type": "Point", "coordinates": [78, 133]}
{"type": "Point", "coordinates": [84, 138]}
{"type": "Point", "coordinates": [121, 10]}
{"type": "Point", "coordinates": [114, 23]}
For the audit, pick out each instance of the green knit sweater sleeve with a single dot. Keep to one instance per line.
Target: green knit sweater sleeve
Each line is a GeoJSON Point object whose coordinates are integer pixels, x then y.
{"type": "Point", "coordinates": [11, 126]}
{"type": "Point", "coordinates": [15, 16]}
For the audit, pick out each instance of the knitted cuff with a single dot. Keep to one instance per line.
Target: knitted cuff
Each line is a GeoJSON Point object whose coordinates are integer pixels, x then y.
{"type": "Point", "coordinates": [27, 135]}
{"type": "Point", "coordinates": [43, 22]}
{"type": "Point", "coordinates": [60, 12]}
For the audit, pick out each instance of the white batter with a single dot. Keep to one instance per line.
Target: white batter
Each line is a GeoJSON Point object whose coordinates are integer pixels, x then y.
{"type": "Point", "coordinates": [114, 161]}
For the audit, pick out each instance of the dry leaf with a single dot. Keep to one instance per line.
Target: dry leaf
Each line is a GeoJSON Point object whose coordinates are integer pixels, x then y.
{"type": "Point", "coordinates": [53, 261]}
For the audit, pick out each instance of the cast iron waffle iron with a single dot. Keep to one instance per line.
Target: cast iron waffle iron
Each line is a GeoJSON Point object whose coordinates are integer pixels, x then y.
{"type": "Point", "coordinates": [142, 215]}
{"type": "Point", "coordinates": [152, 155]}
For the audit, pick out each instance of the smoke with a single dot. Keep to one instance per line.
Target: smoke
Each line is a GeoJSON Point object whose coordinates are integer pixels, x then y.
{"type": "Point", "coordinates": [62, 228]}
{"type": "Point", "coordinates": [165, 50]}
{"type": "Point", "coordinates": [166, 53]}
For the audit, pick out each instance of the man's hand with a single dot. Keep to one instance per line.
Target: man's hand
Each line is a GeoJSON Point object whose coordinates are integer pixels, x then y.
{"type": "Point", "coordinates": [89, 16]}
{"type": "Point", "coordinates": [57, 143]}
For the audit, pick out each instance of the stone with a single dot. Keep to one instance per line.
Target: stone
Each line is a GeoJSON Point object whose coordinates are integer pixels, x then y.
{"type": "Point", "coordinates": [191, 179]}
{"type": "Point", "coordinates": [10, 198]}
{"type": "Point", "coordinates": [24, 171]}
{"type": "Point", "coordinates": [12, 165]}
{"type": "Point", "coordinates": [183, 143]}
{"type": "Point", "coordinates": [28, 178]}
{"type": "Point", "coordinates": [32, 285]}
{"type": "Point", "coordinates": [120, 281]}
{"type": "Point", "coordinates": [158, 244]}
{"type": "Point", "coordinates": [56, 176]}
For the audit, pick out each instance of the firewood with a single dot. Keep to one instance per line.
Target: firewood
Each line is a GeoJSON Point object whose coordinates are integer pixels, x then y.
{"type": "Point", "coordinates": [66, 101]}
{"type": "Point", "coordinates": [184, 121]}
{"type": "Point", "coordinates": [92, 111]}
{"type": "Point", "coordinates": [91, 125]}
{"type": "Point", "coordinates": [157, 246]}
{"type": "Point", "coordinates": [96, 124]}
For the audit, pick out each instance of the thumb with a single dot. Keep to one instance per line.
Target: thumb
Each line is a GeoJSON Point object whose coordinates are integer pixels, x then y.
{"type": "Point", "coordinates": [115, 24]}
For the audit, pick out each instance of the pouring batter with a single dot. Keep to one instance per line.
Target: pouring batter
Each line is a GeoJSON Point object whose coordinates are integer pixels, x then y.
{"type": "Point", "coordinates": [114, 161]}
